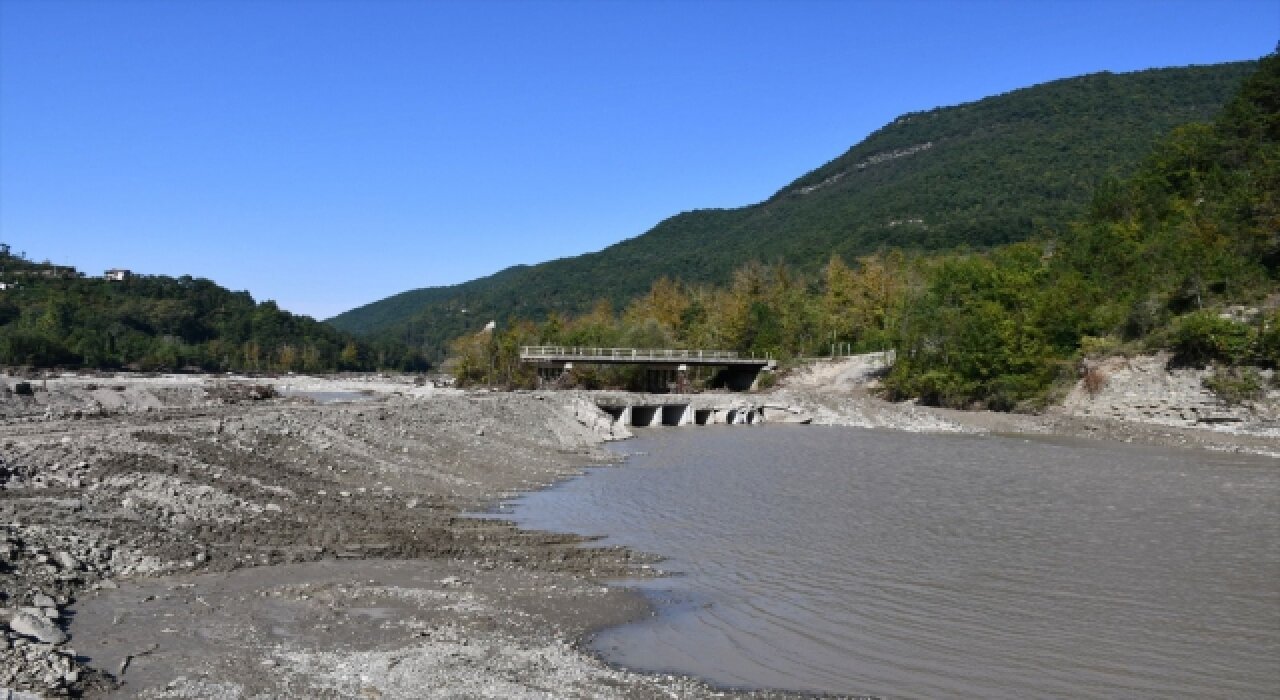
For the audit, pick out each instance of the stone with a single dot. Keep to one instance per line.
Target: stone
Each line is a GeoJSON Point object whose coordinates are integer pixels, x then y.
{"type": "Point", "coordinates": [38, 628]}
{"type": "Point", "coordinates": [41, 600]}
{"type": "Point", "coordinates": [68, 561]}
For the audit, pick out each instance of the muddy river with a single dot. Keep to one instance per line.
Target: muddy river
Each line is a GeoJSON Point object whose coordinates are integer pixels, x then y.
{"type": "Point", "coordinates": [916, 566]}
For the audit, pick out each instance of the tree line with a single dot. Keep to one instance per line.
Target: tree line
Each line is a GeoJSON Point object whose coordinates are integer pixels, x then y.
{"type": "Point", "coordinates": [55, 317]}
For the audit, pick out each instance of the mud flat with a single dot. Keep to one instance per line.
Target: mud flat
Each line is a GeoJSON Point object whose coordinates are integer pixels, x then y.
{"type": "Point", "coordinates": [206, 537]}
{"type": "Point", "coordinates": [196, 537]}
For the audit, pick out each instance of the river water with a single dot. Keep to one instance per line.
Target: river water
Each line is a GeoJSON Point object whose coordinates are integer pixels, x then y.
{"type": "Point", "coordinates": [923, 566]}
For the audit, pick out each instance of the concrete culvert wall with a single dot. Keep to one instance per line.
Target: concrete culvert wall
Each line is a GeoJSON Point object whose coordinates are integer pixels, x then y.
{"type": "Point", "coordinates": [674, 414]}
{"type": "Point", "coordinates": [702, 416]}
{"type": "Point", "coordinates": [645, 416]}
{"type": "Point", "coordinates": [615, 412]}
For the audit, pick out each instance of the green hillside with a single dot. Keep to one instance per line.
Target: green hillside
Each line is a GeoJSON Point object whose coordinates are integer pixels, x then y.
{"type": "Point", "coordinates": [53, 316]}
{"type": "Point", "coordinates": [1183, 255]}
{"type": "Point", "coordinates": [1157, 263]}
{"type": "Point", "coordinates": [999, 170]}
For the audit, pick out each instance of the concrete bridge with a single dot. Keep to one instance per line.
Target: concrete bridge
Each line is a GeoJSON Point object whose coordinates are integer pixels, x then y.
{"type": "Point", "coordinates": [666, 367]}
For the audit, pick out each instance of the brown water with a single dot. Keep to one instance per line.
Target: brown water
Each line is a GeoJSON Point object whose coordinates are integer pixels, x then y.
{"type": "Point", "coordinates": [916, 566]}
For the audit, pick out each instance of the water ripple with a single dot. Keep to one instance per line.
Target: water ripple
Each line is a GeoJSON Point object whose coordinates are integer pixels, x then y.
{"type": "Point", "coordinates": [858, 561]}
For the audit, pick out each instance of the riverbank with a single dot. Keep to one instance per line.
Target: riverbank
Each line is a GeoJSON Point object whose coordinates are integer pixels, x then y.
{"type": "Point", "coordinates": [233, 537]}
{"type": "Point", "coordinates": [1139, 401]}
{"type": "Point", "coordinates": [197, 537]}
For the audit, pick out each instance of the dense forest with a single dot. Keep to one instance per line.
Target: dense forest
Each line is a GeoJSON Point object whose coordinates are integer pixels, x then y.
{"type": "Point", "coordinates": [1007, 168]}
{"type": "Point", "coordinates": [1156, 262]}
{"type": "Point", "coordinates": [56, 317]}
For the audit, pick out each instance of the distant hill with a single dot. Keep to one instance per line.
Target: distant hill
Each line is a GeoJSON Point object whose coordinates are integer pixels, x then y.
{"type": "Point", "coordinates": [54, 316]}
{"type": "Point", "coordinates": [1002, 169]}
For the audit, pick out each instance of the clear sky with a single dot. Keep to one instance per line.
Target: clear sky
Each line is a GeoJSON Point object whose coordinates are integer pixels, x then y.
{"type": "Point", "coordinates": [326, 154]}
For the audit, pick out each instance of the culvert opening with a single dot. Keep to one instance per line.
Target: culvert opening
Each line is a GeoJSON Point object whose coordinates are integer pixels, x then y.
{"type": "Point", "coordinates": [702, 416]}
{"type": "Point", "coordinates": [615, 412]}
{"type": "Point", "coordinates": [673, 414]}
{"type": "Point", "coordinates": [645, 416]}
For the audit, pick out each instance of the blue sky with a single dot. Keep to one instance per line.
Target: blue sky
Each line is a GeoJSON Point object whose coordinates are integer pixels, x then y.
{"type": "Point", "coordinates": [326, 154]}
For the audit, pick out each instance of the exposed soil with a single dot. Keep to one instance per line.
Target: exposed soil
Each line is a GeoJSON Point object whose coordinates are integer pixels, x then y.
{"type": "Point", "coordinates": [199, 540]}
{"type": "Point", "coordinates": [219, 537]}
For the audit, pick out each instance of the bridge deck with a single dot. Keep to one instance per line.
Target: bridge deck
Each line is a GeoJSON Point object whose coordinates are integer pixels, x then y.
{"type": "Point", "coordinates": [556, 353]}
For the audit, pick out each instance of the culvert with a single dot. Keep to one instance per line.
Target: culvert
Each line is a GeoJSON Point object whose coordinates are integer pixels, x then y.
{"type": "Point", "coordinates": [645, 416]}
{"type": "Point", "coordinates": [673, 414]}
{"type": "Point", "coordinates": [702, 416]}
{"type": "Point", "coordinates": [615, 412]}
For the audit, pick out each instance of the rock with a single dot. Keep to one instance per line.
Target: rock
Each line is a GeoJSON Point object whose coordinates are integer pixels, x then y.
{"type": "Point", "coordinates": [41, 600]}
{"type": "Point", "coordinates": [67, 561]}
{"type": "Point", "coordinates": [38, 628]}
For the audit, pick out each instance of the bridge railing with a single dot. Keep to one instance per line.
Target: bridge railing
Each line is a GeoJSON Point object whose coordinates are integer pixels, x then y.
{"type": "Point", "coordinates": [536, 352]}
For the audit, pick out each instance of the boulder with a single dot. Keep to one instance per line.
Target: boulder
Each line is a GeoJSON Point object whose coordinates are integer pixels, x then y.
{"type": "Point", "coordinates": [37, 627]}
{"type": "Point", "coordinates": [68, 561]}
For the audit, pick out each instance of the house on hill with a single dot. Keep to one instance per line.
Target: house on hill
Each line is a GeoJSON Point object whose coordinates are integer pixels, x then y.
{"type": "Point", "coordinates": [116, 275]}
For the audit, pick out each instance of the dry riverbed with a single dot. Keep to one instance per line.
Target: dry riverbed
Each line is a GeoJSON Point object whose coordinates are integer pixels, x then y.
{"type": "Point", "coordinates": [196, 538]}
{"type": "Point", "coordinates": [204, 537]}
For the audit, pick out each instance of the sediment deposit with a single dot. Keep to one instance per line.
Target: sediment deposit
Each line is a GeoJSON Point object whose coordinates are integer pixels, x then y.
{"type": "Point", "coordinates": [198, 538]}
{"type": "Point", "coordinates": [232, 537]}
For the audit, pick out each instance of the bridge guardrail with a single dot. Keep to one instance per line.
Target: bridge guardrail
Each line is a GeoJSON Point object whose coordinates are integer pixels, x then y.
{"type": "Point", "coordinates": [536, 352]}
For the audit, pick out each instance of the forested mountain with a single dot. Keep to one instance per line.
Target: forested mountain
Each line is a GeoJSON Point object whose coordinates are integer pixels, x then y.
{"type": "Point", "coordinates": [54, 316]}
{"type": "Point", "coordinates": [1153, 265]}
{"type": "Point", "coordinates": [1002, 169]}
{"type": "Point", "coordinates": [1184, 255]}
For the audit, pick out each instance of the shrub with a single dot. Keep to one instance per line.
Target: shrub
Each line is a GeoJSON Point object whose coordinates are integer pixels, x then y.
{"type": "Point", "coordinates": [1098, 346]}
{"type": "Point", "coordinates": [1235, 385]}
{"type": "Point", "coordinates": [1094, 380]}
{"type": "Point", "coordinates": [1267, 351]}
{"type": "Point", "coordinates": [1202, 338]}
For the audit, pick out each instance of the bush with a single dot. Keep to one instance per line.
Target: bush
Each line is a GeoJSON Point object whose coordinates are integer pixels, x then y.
{"type": "Point", "coordinates": [1098, 346]}
{"type": "Point", "coordinates": [1202, 338]}
{"type": "Point", "coordinates": [1267, 351]}
{"type": "Point", "coordinates": [1094, 380]}
{"type": "Point", "coordinates": [1235, 385]}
